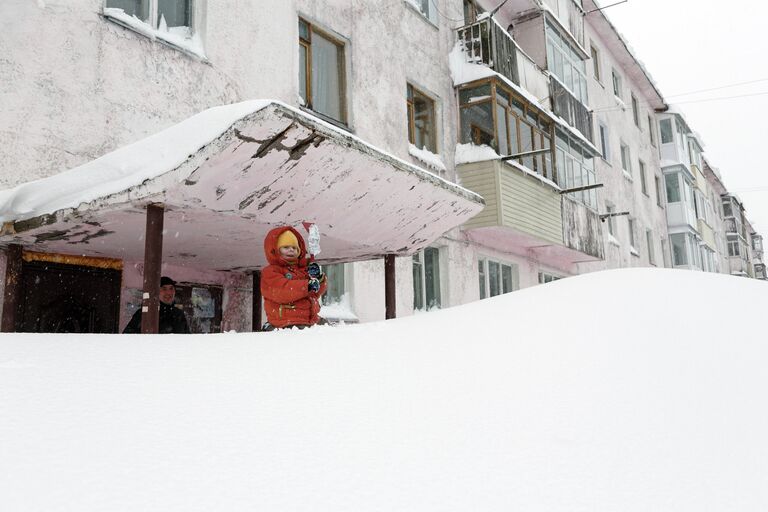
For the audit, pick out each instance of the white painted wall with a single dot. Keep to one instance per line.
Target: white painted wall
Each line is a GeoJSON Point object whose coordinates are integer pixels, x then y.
{"type": "Point", "coordinates": [623, 192]}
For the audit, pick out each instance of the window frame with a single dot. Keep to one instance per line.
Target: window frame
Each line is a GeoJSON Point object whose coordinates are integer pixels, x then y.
{"type": "Point", "coordinates": [336, 276]}
{"type": "Point", "coordinates": [484, 277]}
{"type": "Point", "coordinates": [419, 261]}
{"type": "Point", "coordinates": [594, 53]}
{"type": "Point", "coordinates": [643, 182]}
{"type": "Point", "coordinates": [342, 71]}
{"type": "Point", "coordinates": [635, 110]}
{"type": "Point", "coordinates": [411, 92]}
{"type": "Point", "coordinates": [651, 248]}
{"type": "Point", "coordinates": [651, 134]}
{"type": "Point", "coordinates": [631, 221]}
{"type": "Point", "coordinates": [616, 82]}
{"type": "Point", "coordinates": [626, 158]}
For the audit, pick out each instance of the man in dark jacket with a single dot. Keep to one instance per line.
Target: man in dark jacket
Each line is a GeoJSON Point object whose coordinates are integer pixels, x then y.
{"type": "Point", "coordinates": [172, 319]}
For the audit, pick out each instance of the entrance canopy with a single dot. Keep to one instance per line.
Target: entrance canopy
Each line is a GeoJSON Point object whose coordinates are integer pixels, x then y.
{"type": "Point", "coordinates": [225, 177]}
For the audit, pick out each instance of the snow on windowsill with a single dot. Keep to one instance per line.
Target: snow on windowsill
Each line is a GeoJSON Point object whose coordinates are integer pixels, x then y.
{"type": "Point", "coordinates": [627, 175]}
{"type": "Point", "coordinates": [612, 240]}
{"type": "Point", "coordinates": [180, 38]}
{"type": "Point", "coordinates": [620, 102]}
{"type": "Point", "coordinates": [633, 252]}
{"type": "Point", "coordinates": [427, 157]}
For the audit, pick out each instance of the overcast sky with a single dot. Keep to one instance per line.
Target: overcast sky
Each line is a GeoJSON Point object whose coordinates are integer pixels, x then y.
{"type": "Point", "coordinates": [689, 45]}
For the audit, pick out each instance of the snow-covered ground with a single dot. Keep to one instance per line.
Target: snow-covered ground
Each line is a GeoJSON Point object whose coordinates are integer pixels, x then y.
{"type": "Point", "coordinates": [629, 390]}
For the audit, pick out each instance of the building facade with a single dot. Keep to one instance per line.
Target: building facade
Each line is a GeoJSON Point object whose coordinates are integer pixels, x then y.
{"type": "Point", "coordinates": [538, 106]}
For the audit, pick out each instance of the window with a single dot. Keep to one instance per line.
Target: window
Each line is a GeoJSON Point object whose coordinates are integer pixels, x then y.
{"type": "Point", "coordinates": [631, 226]}
{"type": "Point", "coordinates": [626, 163]}
{"type": "Point", "coordinates": [673, 188]}
{"type": "Point", "coordinates": [575, 168]}
{"type": "Point", "coordinates": [658, 190]}
{"type": "Point", "coordinates": [515, 128]}
{"type": "Point", "coordinates": [679, 251]}
{"type": "Point", "coordinates": [635, 111]}
{"type": "Point", "coordinates": [162, 14]}
{"type": "Point", "coordinates": [565, 63]}
{"type": "Point", "coordinates": [616, 83]}
{"type": "Point", "coordinates": [604, 142]}
{"type": "Point", "coordinates": [727, 208]}
{"type": "Point", "coordinates": [334, 275]}
{"type": "Point", "coordinates": [665, 127]}
{"type": "Point", "coordinates": [426, 279]}
{"type": "Point", "coordinates": [595, 62]}
{"type": "Point", "coordinates": [496, 278]}
{"type": "Point", "coordinates": [546, 277]}
{"type": "Point", "coordinates": [426, 8]}
{"type": "Point", "coordinates": [610, 210]}
{"type": "Point", "coordinates": [421, 120]}
{"type": "Point", "coordinates": [643, 184]}
{"type": "Point", "coordinates": [471, 10]}
{"type": "Point", "coordinates": [651, 133]}
{"type": "Point", "coordinates": [733, 248]}
{"type": "Point", "coordinates": [321, 73]}
{"type": "Point", "coordinates": [651, 251]}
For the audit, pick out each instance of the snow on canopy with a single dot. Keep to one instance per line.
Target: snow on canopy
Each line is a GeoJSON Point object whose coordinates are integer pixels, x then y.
{"type": "Point", "coordinates": [629, 390]}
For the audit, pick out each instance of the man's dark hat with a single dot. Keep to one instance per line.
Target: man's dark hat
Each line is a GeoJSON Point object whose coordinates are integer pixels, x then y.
{"type": "Point", "coordinates": [167, 280]}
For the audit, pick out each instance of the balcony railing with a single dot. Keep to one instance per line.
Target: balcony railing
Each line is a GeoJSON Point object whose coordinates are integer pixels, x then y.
{"type": "Point", "coordinates": [485, 42]}
{"type": "Point", "coordinates": [571, 109]}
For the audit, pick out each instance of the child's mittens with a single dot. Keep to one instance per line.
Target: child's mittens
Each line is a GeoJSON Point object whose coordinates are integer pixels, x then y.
{"type": "Point", "coordinates": [314, 285]}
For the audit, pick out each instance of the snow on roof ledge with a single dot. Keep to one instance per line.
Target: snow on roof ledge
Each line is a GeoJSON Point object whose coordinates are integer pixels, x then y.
{"type": "Point", "coordinates": [238, 170]}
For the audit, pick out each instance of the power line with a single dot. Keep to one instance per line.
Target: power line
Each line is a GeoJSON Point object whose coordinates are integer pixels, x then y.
{"type": "Point", "coordinates": [717, 88]}
{"type": "Point", "coordinates": [723, 98]}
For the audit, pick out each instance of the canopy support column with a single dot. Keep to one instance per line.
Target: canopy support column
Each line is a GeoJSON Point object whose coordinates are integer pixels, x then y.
{"type": "Point", "coordinates": [153, 259]}
{"type": "Point", "coordinates": [389, 286]}
{"type": "Point", "coordinates": [12, 295]}
{"type": "Point", "coordinates": [256, 314]}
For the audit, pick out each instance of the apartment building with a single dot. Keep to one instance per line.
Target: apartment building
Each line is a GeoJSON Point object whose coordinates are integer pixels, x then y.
{"type": "Point", "coordinates": [448, 151]}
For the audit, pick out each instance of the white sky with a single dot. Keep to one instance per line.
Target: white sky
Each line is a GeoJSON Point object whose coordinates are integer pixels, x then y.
{"type": "Point", "coordinates": [689, 45]}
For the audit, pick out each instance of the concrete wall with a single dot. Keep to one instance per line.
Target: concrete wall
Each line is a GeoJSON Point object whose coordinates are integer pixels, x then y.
{"type": "Point", "coordinates": [622, 191]}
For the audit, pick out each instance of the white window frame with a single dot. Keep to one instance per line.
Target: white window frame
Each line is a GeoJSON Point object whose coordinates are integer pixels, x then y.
{"type": "Point", "coordinates": [635, 110]}
{"type": "Point", "coordinates": [643, 182]}
{"type": "Point", "coordinates": [187, 42]}
{"type": "Point", "coordinates": [609, 209]}
{"type": "Point", "coordinates": [419, 262]}
{"type": "Point", "coordinates": [626, 159]}
{"type": "Point", "coordinates": [616, 83]}
{"type": "Point", "coordinates": [631, 232]}
{"type": "Point", "coordinates": [484, 272]}
{"type": "Point", "coordinates": [336, 274]}
{"type": "Point", "coordinates": [605, 141]}
{"type": "Point", "coordinates": [651, 249]}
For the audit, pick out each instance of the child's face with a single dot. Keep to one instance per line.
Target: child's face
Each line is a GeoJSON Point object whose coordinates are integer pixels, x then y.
{"type": "Point", "coordinates": [289, 252]}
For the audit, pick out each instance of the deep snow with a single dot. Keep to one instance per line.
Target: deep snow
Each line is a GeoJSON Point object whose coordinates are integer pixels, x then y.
{"type": "Point", "coordinates": [629, 390]}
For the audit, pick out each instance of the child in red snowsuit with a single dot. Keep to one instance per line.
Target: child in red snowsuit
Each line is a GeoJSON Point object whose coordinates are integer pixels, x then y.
{"type": "Point", "coordinates": [291, 286]}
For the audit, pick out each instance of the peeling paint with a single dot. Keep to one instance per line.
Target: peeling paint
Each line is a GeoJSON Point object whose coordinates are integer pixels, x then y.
{"type": "Point", "coordinates": [268, 145]}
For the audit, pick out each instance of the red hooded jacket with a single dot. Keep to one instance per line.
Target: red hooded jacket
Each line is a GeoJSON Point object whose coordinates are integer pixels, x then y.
{"type": "Point", "coordinates": [287, 301]}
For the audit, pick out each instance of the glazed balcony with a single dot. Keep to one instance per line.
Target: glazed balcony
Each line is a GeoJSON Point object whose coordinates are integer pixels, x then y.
{"type": "Point", "coordinates": [485, 42]}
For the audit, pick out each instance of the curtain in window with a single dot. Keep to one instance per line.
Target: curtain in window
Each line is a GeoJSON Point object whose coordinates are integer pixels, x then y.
{"type": "Point", "coordinates": [326, 78]}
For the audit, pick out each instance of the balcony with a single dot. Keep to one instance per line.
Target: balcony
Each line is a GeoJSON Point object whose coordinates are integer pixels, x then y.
{"type": "Point", "coordinates": [526, 215]}
{"type": "Point", "coordinates": [485, 42]}
{"type": "Point", "coordinates": [571, 109]}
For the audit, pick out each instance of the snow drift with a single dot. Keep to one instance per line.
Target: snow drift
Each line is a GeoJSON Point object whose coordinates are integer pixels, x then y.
{"type": "Point", "coordinates": [629, 390]}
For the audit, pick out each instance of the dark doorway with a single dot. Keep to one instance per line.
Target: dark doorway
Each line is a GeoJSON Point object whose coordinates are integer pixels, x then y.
{"type": "Point", "coordinates": [57, 297]}
{"type": "Point", "coordinates": [202, 306]}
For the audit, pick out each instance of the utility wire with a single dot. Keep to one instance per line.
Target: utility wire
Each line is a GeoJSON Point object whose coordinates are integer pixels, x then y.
{"type": "Point", "coordinates": [717, 88]}
{"type": "Point", "coordinates": [723, 98]}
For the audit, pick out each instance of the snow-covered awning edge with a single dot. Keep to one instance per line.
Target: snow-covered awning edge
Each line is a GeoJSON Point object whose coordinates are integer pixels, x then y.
{"type": "Point", "coordinates": [143, 170]}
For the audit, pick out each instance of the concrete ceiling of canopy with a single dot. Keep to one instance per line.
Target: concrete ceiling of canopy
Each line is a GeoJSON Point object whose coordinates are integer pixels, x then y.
{"type": "Point", "coordinates": [509, 240]}
{"type": "Point", "coordinates": [277, 166]}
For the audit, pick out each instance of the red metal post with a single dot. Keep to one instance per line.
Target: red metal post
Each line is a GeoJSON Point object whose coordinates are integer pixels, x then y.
{"type": "Point", "coordinates": [389, 286]}
{"type": "Point", "coordinates": [12, 295]}
{"type": "Point", "coordinates": [153, 258]}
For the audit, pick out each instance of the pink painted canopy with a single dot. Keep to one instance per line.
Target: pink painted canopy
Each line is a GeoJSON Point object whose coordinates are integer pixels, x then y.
{"type": "Point", "coordinates": [273, 166]}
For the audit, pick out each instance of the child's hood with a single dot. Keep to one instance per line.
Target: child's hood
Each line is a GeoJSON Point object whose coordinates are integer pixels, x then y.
{"type": "Point", "coordinates": [270, 246]}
